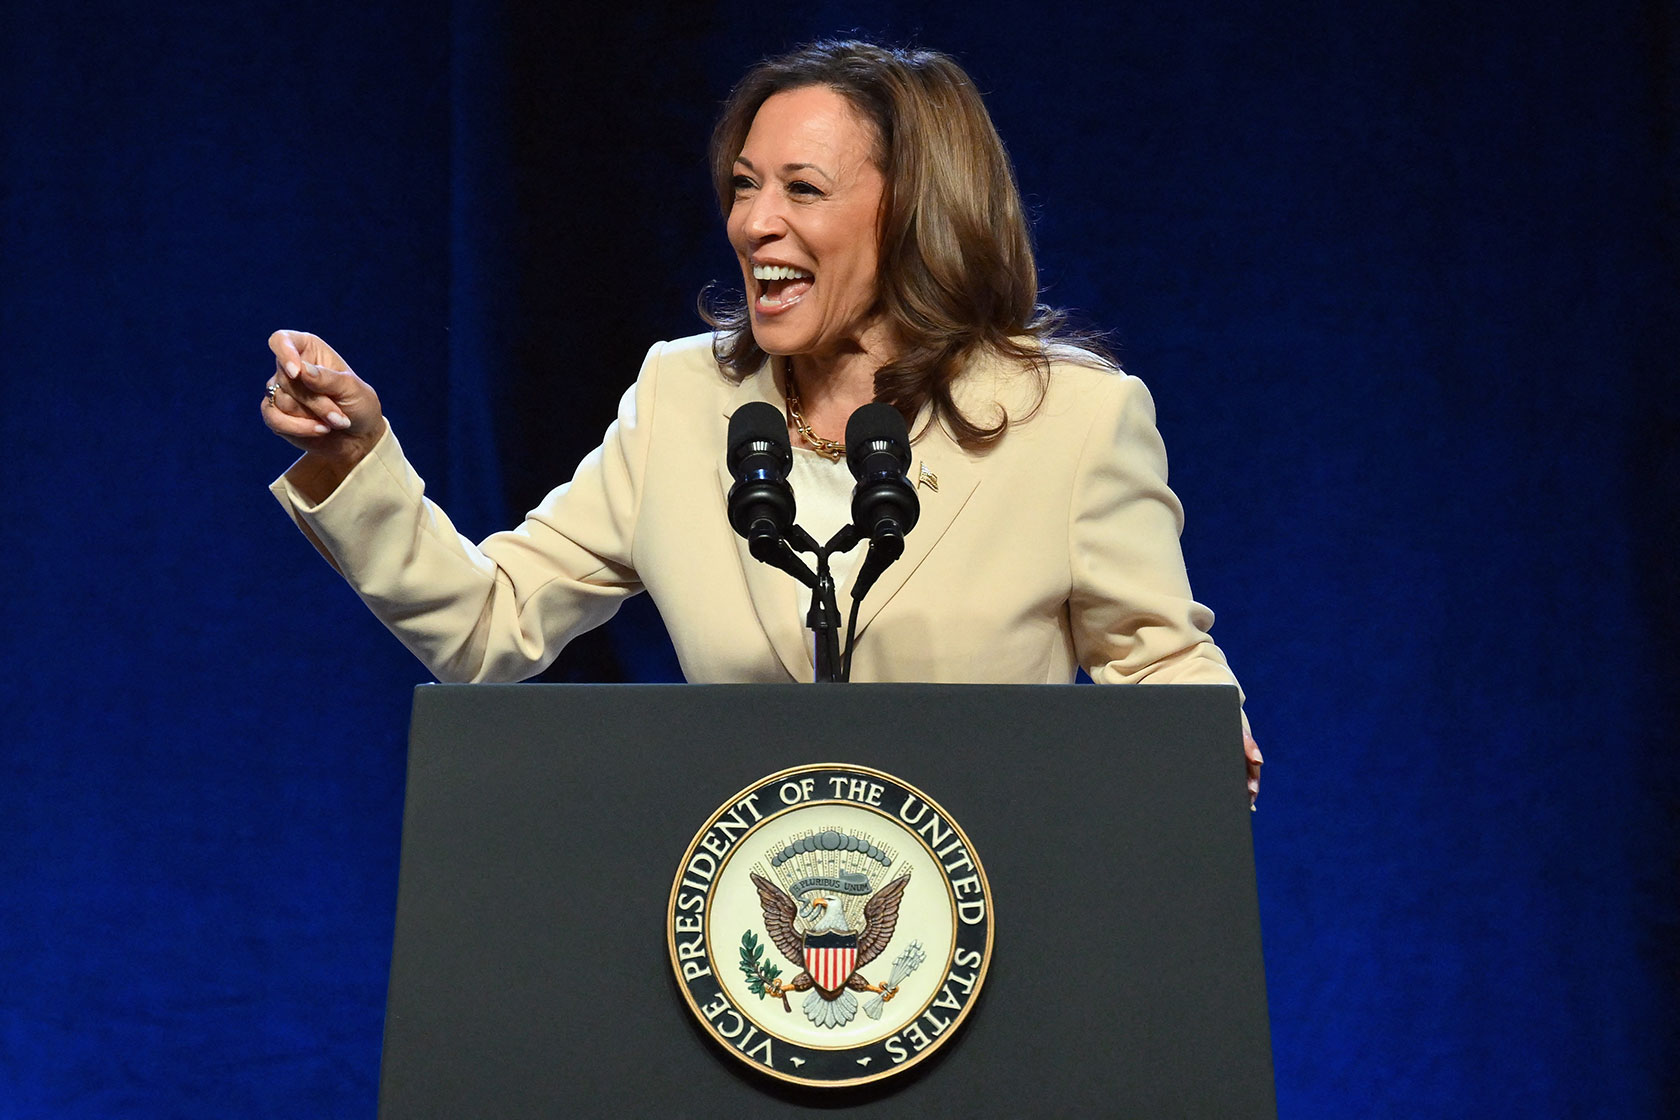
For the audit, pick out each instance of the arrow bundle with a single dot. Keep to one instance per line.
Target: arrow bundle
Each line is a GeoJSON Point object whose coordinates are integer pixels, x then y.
{"type": "Point", "coordinates": [907, 962]}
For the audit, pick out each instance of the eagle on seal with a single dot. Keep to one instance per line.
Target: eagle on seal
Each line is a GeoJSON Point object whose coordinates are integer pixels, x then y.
{"type": "Point", "coordinates": [813, 933]}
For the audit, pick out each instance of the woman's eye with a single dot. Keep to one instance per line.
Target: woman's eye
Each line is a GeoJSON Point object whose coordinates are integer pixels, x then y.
{"type": "Point", "coordinates": [742, 183]}
{"type": "Point", "coordinates": [801, 187]}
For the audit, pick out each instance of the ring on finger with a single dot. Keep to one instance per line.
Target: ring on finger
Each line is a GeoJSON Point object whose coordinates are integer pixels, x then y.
{"type": "Point", "coordinates": [273, 388]}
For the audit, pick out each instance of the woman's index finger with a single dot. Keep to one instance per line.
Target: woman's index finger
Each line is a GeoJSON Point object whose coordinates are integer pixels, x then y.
{"type": "Point", "coordinates": [286, 347]}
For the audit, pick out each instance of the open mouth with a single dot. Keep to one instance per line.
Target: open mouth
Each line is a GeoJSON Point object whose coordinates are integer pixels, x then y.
{"type": "Point", "coordinates": [780, 285]}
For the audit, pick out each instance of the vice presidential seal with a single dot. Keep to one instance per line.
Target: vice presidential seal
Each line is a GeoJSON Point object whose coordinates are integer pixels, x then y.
{"type": "Point", "coordinates": [830, 925]}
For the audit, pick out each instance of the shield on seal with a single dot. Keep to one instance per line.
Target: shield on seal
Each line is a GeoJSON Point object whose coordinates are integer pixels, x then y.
{"type": "Point", "coordinates": [830, 959]}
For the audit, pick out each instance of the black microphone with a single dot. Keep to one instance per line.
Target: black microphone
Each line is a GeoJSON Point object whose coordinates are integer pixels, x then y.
{"type": "Point", "coordinates": [761, 505]}
{"type": "Point", "coordinates": [884, 504]}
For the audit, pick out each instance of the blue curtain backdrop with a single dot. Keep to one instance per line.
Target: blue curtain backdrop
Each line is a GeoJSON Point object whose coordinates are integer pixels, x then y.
{"type": "Point", "coordinates": [1403, 279]}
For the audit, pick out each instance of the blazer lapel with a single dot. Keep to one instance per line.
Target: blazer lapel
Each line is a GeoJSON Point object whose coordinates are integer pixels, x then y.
{"type": "Point", "coordinates": [989, 389]}
{"type": "Point", "coordinates": [936, 460]}
{"type": "Point", "coordinates": [778, 599]}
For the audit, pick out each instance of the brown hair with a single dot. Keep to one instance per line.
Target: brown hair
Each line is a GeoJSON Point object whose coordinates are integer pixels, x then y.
{"type": "Point", "coordinates": [956, 275]}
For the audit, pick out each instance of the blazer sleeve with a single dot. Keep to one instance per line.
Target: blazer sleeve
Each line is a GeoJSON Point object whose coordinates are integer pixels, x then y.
{"type": "Point", "coordinates": [1131, 610]}
{"type": "Point", "coordinates": [503, 609]}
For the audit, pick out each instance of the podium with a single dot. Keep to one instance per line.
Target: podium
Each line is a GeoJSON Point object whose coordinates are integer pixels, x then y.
{"type": "Point", "coordinates": [543, 825]}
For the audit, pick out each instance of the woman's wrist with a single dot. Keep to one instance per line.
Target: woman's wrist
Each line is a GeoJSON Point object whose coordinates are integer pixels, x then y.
{"type": "Point", "coordinates": [321, 470]}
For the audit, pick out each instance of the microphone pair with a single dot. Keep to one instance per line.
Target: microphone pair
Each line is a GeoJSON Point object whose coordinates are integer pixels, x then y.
{"type": "Point", "coordinates": [884, 503]}
{"type": "Point", "coordinates": [884, 508]}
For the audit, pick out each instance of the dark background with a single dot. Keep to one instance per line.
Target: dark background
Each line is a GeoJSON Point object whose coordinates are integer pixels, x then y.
{"type": "Point", "coordinates": [1403, 279]}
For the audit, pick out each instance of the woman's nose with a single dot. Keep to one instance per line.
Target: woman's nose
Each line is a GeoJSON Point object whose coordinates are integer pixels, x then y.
{"type": "Point", "coordinates": [764, 217]}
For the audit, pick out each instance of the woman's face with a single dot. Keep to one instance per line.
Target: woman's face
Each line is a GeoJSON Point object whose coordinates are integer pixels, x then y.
{"type": "Point", "coordinates": [805, 224]}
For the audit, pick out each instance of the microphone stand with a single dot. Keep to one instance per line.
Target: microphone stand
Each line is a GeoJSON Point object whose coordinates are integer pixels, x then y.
{"type": "Point", "coordinates": [823, 619]}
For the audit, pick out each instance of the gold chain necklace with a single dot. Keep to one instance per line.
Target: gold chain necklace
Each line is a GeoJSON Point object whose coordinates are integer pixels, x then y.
{"type": "Point", "coordinates": [833, 449]}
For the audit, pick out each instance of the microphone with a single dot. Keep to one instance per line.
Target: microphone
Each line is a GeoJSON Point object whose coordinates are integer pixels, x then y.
{"type": "Point", "coordinates": [760, 502]}
{"type": "Point", "coordinates": [884, 504]}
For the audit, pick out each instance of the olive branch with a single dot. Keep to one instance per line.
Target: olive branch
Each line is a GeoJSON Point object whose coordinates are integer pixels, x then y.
{"type": "Point", "coordinates": [758, 971]}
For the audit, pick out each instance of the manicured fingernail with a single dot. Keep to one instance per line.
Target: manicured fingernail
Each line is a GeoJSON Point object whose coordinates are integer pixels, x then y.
{"type": "Point", "coordinates": [322, 429]}
{"type": "Point", "coordinates": [338, 420]}
{"type": "Point", "coordinates": [292, 368]}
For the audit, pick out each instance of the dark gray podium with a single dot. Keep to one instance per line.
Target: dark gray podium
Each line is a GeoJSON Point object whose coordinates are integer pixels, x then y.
{"type": "Point", "coordinates": [544, 823]}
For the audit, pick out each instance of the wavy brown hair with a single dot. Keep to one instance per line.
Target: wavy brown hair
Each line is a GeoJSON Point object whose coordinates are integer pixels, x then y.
{"type": "Point", "coordinates": [957, 276]}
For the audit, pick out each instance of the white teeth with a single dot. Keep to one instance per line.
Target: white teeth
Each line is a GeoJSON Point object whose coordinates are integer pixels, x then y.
{"type": "Point", "coordinates": [778, 272]}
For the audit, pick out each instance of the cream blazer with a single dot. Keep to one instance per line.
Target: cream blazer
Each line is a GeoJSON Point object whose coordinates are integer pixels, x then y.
{"type": "Point", "coordinates": [1055, 548]}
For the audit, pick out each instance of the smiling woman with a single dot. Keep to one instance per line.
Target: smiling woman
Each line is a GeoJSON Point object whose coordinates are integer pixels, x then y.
{"type": "Point", "coordinates": [884, 256]}
{"type": "Point", "coordinates": [848, 126]}
{"type": "Point", "coordinates": [805, 202]}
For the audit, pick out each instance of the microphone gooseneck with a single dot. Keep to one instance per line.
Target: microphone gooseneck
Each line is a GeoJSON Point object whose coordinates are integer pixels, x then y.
{"type": "Point", "coordinates": [884, 504]}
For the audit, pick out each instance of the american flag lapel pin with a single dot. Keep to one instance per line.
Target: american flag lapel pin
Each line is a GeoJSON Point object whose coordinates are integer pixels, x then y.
{"type": "Point", "coordinates": [927, 478]}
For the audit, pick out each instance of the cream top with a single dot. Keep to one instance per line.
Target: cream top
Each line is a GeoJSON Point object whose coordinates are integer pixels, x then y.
{"type": "Point", "coordinates": [822, 494]}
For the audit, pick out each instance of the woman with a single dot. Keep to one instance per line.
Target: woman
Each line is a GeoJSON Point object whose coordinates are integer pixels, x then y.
{"type": "Point", "coordinates": [884, 256]}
